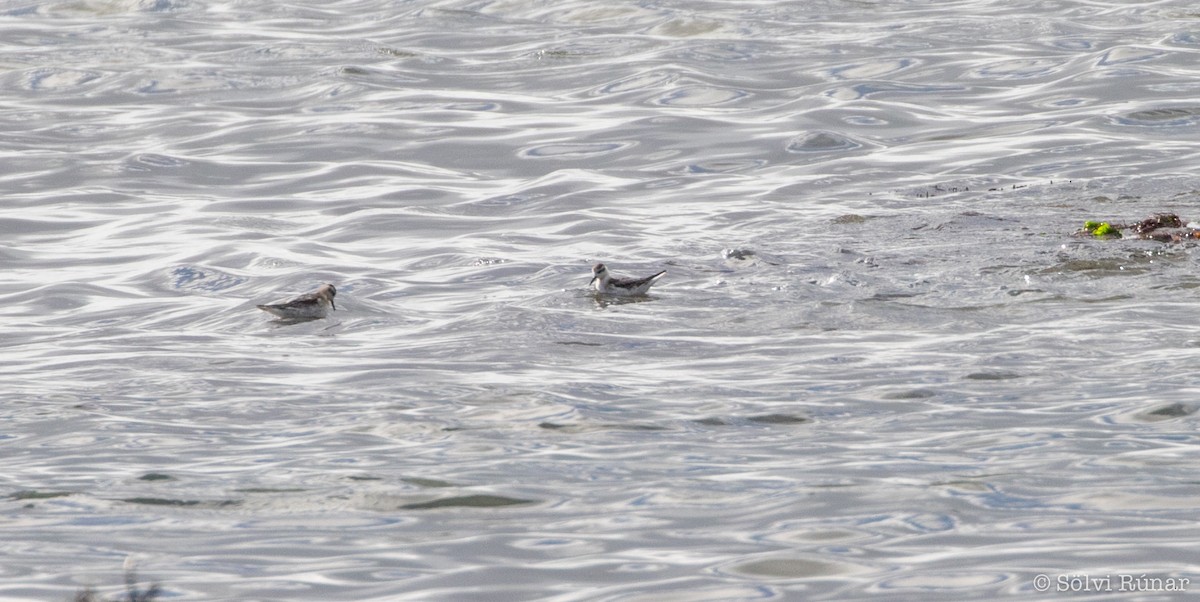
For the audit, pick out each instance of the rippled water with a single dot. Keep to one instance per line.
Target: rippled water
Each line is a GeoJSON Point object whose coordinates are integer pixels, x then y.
{"type": "Point", "coordinates": [880, 363]}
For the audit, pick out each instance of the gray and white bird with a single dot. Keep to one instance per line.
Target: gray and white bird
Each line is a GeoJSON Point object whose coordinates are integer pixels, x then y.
{"type": "Point", "coordinates": [607, 284]}
{"type": "Point", "coordinates": [308, 306]}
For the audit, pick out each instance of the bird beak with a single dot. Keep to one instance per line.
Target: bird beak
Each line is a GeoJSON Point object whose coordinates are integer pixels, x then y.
{"type": "Point", "coordinates": [593, 280]}
{"type": "Point", "coordinates": [333, 305]}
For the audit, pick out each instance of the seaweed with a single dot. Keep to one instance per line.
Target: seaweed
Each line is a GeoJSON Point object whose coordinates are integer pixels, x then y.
{"type": "Point", "coordinates": [1162, 227]}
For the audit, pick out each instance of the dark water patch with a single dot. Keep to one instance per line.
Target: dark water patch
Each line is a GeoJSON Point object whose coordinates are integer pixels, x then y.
{"type": "Point", "coordinates": [1167, 117]}
{"type": "Point", "coordinates": [31, 494]}
{"type": "Point", "coordinates": [1167, 412]}
{"type": "Point", "coordinates": [891, 296]}
{"type": "Point", "coordinates": [355, 71]}
{"type": "Point", "coordinates": [1182, 284]}
{"type": "Point", "coordinates": [1017, 292]}
{"type": "Point", "coordinates": [157, 501]}
{"type": "Point", "coordinates": [794, 568]}
{"type": "Point", "coordinates": [156, 476]}
{"type": "Point", "coordinates": [910, 394]}
{"type": "Point", "coordinates": [992, 376]}
{"type": "Point", "coordinates": [469, 501]}
{"type": "Point", "coordinates": [778, 419]}
{"type": "Point", "coordinates": [769, 419]}
{"type": "Point", "coordinates": [427, 483]}
{"type": "Point", "coordinates": [584, 428]}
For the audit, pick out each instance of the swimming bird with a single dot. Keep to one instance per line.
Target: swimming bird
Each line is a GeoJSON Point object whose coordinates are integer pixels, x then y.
{"type": "Point", "coordinates": [305, 307]}
{"type": "Point", "coordinates": [607, 284]}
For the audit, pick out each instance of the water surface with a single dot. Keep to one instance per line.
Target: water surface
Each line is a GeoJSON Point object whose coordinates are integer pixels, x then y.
{"type": "Point", "coordinates": [880, 363]}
